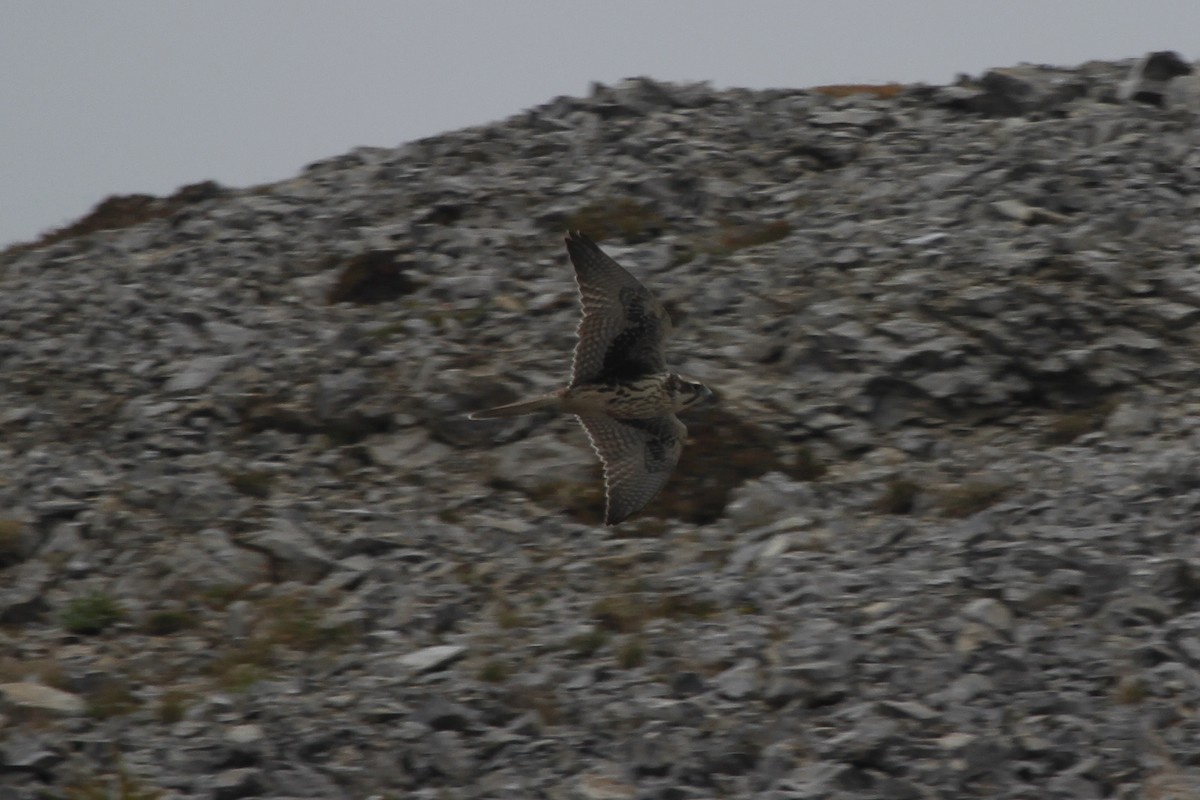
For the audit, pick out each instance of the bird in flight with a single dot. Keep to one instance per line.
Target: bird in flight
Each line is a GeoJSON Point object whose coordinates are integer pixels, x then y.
{"type": "Point", "coordinates": [620, 387]}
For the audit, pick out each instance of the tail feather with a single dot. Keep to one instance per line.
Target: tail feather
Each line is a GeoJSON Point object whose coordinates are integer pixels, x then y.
{"type": "Point", "coordinates": [550, 402]}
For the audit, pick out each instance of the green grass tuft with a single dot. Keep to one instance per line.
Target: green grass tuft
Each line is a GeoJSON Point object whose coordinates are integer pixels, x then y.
{"type": "Point", "coordinates": [586, 644]}
{"type": "Point", "coordinates": [167, 622]}
{"type": "Point", "coordinates": [118, 786]}
{"type": "Point", "coordinates": [297, 624]}
{"type": "Point", "coordinates": [494, 672]}
{"type": "Point", "coordinates": [240, 667]}
{"type": "Point", "coordinates": [509, 618]}
{"type": "Point", "coordinates": [113, 698]}
{"type": "Point", "coordinates": [172, 706]}
{"type": "Point", "coordinates": [91, 614]}
{"type": "Point", "coordinates": [631, 653]}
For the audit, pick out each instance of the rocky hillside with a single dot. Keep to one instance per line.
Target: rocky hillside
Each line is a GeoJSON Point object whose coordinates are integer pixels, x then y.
{"type": "Point", "coordinates": [938, 538]}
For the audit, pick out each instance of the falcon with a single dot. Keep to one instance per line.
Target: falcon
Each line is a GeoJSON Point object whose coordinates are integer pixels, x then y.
{"type": "Point", "coordinates": [621, 389]}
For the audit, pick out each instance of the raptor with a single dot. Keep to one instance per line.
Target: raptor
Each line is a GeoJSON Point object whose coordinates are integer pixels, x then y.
{"type": "Point", "coordinates": [620, 387]}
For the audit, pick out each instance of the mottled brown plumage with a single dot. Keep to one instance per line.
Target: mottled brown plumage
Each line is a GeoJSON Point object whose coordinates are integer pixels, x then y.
{"type": "Point", "coordinates": [620, 387]}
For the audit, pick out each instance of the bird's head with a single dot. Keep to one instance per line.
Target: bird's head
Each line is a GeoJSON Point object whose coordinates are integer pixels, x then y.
{"type": "Point", "coordinates": [690, 393]}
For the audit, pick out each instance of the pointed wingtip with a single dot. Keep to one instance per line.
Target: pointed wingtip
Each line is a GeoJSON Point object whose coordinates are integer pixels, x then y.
{"type": "Point", "coordinates": [613, 516]}
{"type": "Point", "coordinates": [577, 237]}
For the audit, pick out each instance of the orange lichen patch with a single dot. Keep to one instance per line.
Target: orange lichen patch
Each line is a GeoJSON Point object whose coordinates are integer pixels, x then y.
{"type": "Point", "coordinates": [618, 218]}
{"type": "Point", "coordinates": [1070, 425]}
{"type": "Point", "coordinates": [125, 211]}
{"type": "Point", "coordinates": [743, 236]}
{"type": "Point", "coordinates": [962, 501]}
{"type": "Point", "coordinates": [885, 91]}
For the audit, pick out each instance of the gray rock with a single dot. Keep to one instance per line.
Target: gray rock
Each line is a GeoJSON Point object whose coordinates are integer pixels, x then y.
{"type": "Point", "coordinates": [23, 600]}
{"type": "Point", "coordinates": [990, 612]}
{"type": "Point", "coordinates": [451, 758]}
{"type": "Point", "coordinates": [233, 784]}
{"type": "Point", "coordinates": [849, 117]}
{"type": "Point", "coordinates": [605, 784]}
{"type": "Point", "coordinates": [432, 658]}
{"type": "Point", "coordinates": [198, 373]}
{"type": "Point", "coordinates": [766, 500]}
{"type": "Point", "coordinates": [443, 715]}
{"type": "Point", "coordinates": [963, 689]}
{"type": "Point", "coordinates": [29, 753]}
{"type": "Point", "coordinates": [245, 739]}
{"type": "Point", "coordinates": [1025, 88]}
{"type": "Point", "coordinates": [211, 561]}
{"type": "Point", "coordinates": [908, 709]}
{"type": "Point", "coordinates": [739, 682]}
{"type": "Point", "coordinates": [686, 683]}
{"type": "Point", "coordinates": [228, 334]}
{"type": "Point", "coordinates": [35, 697]}
{"type": "Point", "coordinates": [296, 554]}
{"type": "Point", "coordinates": [1149, 80]}
{"type": "Point", "coordinates": [1022, 212]}
{"type": "Point", "coordinates": [1131, 420]}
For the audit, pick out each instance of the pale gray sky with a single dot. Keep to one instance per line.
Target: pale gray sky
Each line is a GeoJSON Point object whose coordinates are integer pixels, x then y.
{"type": "Point", "coordinates": [123, 96]}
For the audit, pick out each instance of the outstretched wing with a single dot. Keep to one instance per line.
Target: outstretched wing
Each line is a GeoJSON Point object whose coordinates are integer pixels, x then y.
{"type": "Point", "coordinates": [623, 326]}
{"type": "Point", "coordinates": [638, 457]}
